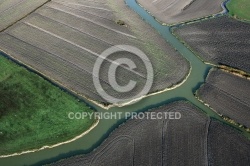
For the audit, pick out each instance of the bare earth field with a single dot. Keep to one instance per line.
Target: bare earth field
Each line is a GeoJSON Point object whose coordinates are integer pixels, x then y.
{"type": "Point", "coordinates": [228, 95]}
{"type": "Point", "coordinates": [176, 11]}
{"type": "Point", "coordinates": [63, 39]}
{"type": "Point", "coordinates": [13, 10]}
{"type": "Point", "coordinates": [221, 40]}
{"type": "Point", "coordinates": [226, 146]}
{"type": "Point", "coordinates": [167, 142]}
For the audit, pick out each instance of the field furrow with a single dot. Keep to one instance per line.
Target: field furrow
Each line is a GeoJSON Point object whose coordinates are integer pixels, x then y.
{"type": "Point", "coordinates": [86, 26]}
{"type": "Point", "coordinates": [7, 5]}
{"type": "Point", "coordinates": [186, 137]}
{"type": "Point", "coordinates": [82, 16]}
{"type": "Point", "coordinates": [72, 78]}
{"type": "Point", "coordinates": [13, 10]}
{"type": "Point", "coordinates": [195, 139]}
{"type": "Point", "coordinates": [89, 3]}
{"type": "Point", "coordinates": [176, 11]}
{"type": "Point", "coordinates": [228, 95]}
{"type": "Point", "coordinates": [221, 41]}
{"type": "Point", "coordinates": [103, 13]}
{"type": "Point", "coordinates": [227, 146]}
{"type": "Point", "coordinates": [98, 11]}
{"type": "Point", "coordinates": [71, 35]}
{"type": "Point", "coordinates": [100, 18]}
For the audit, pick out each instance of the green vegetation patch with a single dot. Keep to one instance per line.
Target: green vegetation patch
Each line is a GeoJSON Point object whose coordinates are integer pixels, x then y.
{"type": "Point", "coordinates": [239, 9]}
{"type": "Point", "coordinates": [33, 112]}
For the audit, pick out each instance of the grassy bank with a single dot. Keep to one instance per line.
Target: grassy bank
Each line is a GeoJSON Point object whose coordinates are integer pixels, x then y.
{"type": "Point", "coordinates": [33, 112]}
{"type": "Point", "coordinates": [239, 9]}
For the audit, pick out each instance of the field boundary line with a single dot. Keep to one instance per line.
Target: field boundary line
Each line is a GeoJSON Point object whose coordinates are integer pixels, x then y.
{"type": "Point", "coordinates": [25, 15]}
{"type": "Point", "coordinates": [206, 141]}
{"type": "Point", "coordinates": [54, 55]}
{"type": "Point", "coordinates": [228, 122]}
{"type": "Point", "coordinates": [54, 82]}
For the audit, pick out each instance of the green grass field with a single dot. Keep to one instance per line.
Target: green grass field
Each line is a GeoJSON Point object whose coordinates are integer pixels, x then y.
{"type": "Point", "coordinates": [239, 8]}
{"type": "Point", "coordinates": [33, 112]}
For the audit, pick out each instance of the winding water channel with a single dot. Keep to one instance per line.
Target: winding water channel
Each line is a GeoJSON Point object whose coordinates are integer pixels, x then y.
{"type": "Point", "coordinates": [87, 143]}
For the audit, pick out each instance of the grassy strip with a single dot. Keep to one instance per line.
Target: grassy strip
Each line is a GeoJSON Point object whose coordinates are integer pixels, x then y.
{"type": "Point", "coordinates": [33, 112]}
{"type": "Point", "coordinates": [229, 120]}
{"type": "Point", "coordinates": [234, 71]}
{"type": "Point", "coordinates": [239, 9]}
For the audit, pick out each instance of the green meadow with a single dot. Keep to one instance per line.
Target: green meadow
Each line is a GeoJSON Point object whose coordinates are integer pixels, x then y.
{"type": "Point", "coordinates": [33, 112]}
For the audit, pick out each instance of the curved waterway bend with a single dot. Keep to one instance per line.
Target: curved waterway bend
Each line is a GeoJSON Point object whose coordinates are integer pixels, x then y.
{"type": "Point", "coordinates": [90, 141]}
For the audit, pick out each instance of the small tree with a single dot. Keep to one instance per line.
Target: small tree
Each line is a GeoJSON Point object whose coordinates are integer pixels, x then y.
{"type": "Point", "coordinates": [120, 22]}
